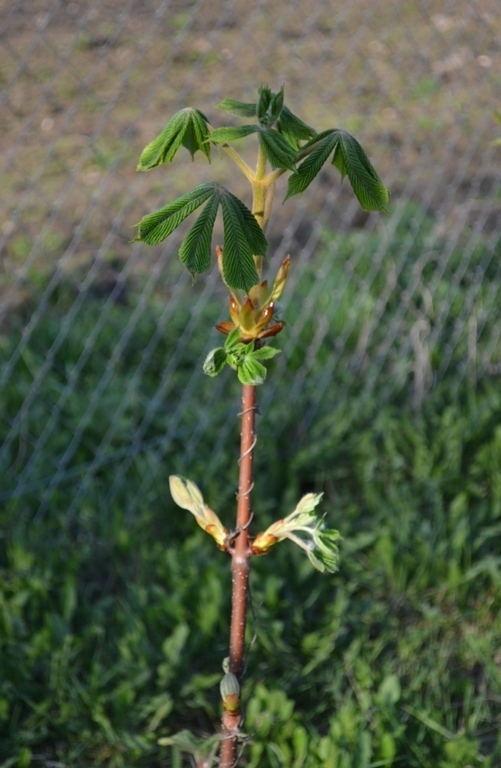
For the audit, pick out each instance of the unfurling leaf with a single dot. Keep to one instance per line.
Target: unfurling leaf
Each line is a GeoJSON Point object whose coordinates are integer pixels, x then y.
{"type": "Point", "coordinates": [187, 496]}
{"type": "Point", "coordinates": [305, 529]}
{"type": "Point", "coordinates": [277, 149]}
{"type": "Point", "coordinates": [186, 128]}
{"type": "Point", "coordinates": [293, 129]}
{"type": "Point", "coordinates": [215, 362]}
{"type": "Point", "coordinates": [250, 371]}
{"type": "Point", "coordinates": [242, 357]}
{"type": "Point", "coordinates": [265, 353]}
{"type": "Point", "coordinates": [265, 96]}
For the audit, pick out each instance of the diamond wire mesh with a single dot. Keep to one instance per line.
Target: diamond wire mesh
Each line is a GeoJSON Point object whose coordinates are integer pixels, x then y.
{"type": "Point", "coordinates": [86, 85]}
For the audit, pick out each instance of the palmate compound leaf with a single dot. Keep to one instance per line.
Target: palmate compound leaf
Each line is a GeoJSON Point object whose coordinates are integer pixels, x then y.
{"type": "Point", "coordinates": [243, 237]}
{"type": "Point", "coordinates": [351, 160]}
{"type": "Point", "coordinates": [187, 128]}
{"type": "Point", "coordinates": [157, 226]}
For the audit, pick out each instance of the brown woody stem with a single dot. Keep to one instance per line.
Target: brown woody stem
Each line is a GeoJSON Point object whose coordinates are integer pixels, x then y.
{"type": "Point", "coordinates": [240, 554]}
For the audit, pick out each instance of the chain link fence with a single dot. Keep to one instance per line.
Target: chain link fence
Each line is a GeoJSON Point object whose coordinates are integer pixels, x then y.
{"type": "Point", "coordinates": [397, 301]}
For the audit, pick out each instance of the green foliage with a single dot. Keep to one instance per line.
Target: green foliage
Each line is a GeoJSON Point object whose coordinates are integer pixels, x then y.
{"type": "Point", "coordinates": [242, 235]}
{"type": "Point", "coordinates": [350, 160]}
{"type": "Point", "coordinates": [188, 128]}
{"type": "Point", "coordinates": [238, 108]}
{"type": "Point", "coordinates": [284, 140]}
{"type": "Point", "coordinates": [277, 149]}
{"type": "Point", "coordinates": [307, 531]}
{"type": "Point", "coordinates": [113, 613]}
{"type": "Point", "coordinates": [272, 109]}
{"type": "Point", "coordinates": [243, 358]}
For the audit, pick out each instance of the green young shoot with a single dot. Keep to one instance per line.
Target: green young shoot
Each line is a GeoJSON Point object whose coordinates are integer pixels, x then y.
{"type": "Point", "coordinates": [306, 529]}
{"type": "Point", "coordinates": [243, 358]}
{"type": "Point", "coordinates": [187, 496]}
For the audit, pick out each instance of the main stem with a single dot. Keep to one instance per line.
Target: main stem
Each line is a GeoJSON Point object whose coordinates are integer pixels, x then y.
{"type": "Point", "coordinates": [241, 551]}
{"type": "Point", "coordinates": [240, 568]}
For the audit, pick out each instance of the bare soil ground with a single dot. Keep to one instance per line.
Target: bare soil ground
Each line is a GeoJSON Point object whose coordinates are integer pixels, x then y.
{"type": "Point", "coordinates": [87, 84]}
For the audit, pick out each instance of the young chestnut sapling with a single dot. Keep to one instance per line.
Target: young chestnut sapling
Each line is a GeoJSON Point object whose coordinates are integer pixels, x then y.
{"type": "Point", "coordinates": [285, 144]}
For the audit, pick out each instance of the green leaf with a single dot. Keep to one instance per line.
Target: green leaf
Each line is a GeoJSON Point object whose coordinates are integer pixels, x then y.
{"type": "Point", "coordinates": [156, 226]}
{"type": "Point", "coordinates": [312, 164]}
{"type": "Point", "coordinates": [215, 362]}
{"type": "Point", "coordinates": [195, 250]}
{"type": "Point", "coordinates": [223, 135]}
{"type": "Point", "coordinates": [196, 134]}
{"type": "Point", "coordinates": [325, 556]}
{"type": "Point", "coordinates": [243, 238]}
{"type": "Point", "coordinates": [232, 340]}
{"type": "Point", "coordinates": [235, 356]}
{"type": "Point", "coordinates": [270, 105]}
{"type": "Point", "coordinates": [238, 108]}
{"type": "Point", "coordinates": [276, 105]}
{"type": "Point", "coordinates": [277, 149]}
{"type": "Point", "coordinates": [251, 372]}
{"type": "Point", "coordinates": [265, 96]}
{"type": "Point", "coordinates": [293, 129]}
{"type": "Point", "coordinates": [188, 128]}
{"type": "Point", "coordinates": [351, 160]}
{"type": "Point", "coordinates": [265, 353]}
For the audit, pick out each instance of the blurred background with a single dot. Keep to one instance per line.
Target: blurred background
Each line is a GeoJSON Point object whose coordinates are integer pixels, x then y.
{"type": "Point", "coordinates": [386, 395]}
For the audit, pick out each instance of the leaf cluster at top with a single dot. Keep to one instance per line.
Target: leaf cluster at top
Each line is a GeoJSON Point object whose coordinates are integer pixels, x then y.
{"type": "Point", "coordinates": [289, 145]}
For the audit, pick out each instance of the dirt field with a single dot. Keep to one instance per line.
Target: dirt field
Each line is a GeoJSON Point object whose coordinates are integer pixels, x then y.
{"type": "Point", "coordinates": [87, 84]}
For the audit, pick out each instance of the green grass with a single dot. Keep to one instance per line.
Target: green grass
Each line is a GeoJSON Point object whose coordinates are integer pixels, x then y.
{"type": "Point", "coordinates": [114, 610]}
